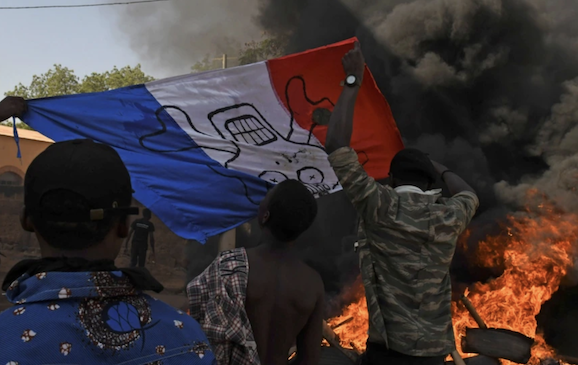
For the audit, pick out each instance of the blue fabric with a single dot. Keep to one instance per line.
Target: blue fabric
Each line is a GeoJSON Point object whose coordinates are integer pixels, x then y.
{"type": "Point", "coordinates": [95, 318]}
{"type": "Point", "coordinates": [16, 138]}
{"type": "Point", "coordinates": [191, 193]}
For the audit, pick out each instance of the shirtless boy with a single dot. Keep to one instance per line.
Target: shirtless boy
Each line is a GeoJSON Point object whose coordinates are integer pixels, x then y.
{"type": "Point", "coordinates": [255, 304]}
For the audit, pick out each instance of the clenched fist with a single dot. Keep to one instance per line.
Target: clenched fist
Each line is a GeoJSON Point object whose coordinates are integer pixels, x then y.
{"type": "Point", "coordinates": [354, 63]}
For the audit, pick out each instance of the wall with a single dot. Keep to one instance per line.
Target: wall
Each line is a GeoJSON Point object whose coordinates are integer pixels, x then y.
{"type": "Point", "coordinates": [11, 197]}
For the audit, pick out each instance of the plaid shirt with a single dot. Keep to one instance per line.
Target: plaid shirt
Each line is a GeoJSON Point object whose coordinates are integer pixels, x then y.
{"type": "Point", "coordinates": [217, 302]}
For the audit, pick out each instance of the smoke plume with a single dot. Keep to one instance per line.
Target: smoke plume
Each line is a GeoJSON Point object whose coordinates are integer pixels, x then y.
{"type": "Point", "coordinates": [487, 87]}
{"type": "Point", "coordinates": [174, 35]}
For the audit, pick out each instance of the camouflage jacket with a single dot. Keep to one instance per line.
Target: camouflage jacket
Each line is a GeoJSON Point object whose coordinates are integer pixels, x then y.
{"type": "Point", "coordinates": [406, 244]}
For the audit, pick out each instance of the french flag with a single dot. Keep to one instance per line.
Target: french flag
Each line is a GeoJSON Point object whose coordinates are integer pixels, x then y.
{"type": "Point", "coordinates": [203, 149]}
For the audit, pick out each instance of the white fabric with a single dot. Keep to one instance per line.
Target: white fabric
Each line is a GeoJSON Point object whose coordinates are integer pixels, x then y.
{"type": "Point", "coordinates": [414, 189]}
{"type": "Point", "coordinates": [247, 92]}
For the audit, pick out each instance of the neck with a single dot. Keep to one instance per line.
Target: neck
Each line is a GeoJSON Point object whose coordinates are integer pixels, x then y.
{"type": "Point", "coordinates": [269, 242]}
{"type": "Point", "coordinates": [88, 254]}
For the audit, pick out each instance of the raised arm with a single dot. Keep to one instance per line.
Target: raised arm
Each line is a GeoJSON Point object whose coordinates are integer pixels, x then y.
{"type": "Point", "coordinates": [367, 196]}
{"type": "Point", "coordinates": [454, 183]}
{"type": "Point", "coordinates": [12, 106]}
{"type": "Point", "coordinates": [463, 204]}
{"type": "Point", "coordinates": [341, 121]}
{"type": "Point", "coordinates": [309, 339]}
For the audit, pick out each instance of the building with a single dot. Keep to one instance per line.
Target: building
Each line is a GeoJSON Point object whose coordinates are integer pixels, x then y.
{"type": "Point", "coordinates": [12, 170]}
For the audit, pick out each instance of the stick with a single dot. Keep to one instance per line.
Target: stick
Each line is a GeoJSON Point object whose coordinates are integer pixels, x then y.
{"type": "Point", "coordinates": [569, 359]}
{"type": "Point", "coordinates": [474, 313]}
{"type": "Point", "coordinates": [457, 358]}
{"type": "Point", "coordinates": [292, 350]}
{"type": "Point", "coordinates": [331, 338]}
{"type": "Point", "coordinates": [343, 323]}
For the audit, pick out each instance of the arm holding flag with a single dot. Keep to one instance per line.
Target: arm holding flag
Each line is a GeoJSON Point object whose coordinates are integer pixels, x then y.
{"type": "Point", "coordinates": [367, 196]}
{"type": "Point", "coordinates": [341, 122]}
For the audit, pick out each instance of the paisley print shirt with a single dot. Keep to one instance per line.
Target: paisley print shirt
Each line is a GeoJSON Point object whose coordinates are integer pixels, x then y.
{"type": "Point", "coordinates": [95, 318]}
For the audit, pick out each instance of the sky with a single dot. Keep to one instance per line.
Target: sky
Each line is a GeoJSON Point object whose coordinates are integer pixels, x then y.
{"type": "Point", "coordinates": [83, 39]}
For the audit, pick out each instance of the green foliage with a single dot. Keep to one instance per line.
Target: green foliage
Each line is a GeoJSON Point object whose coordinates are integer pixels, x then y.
{"type": "Point", "coordinates": [113, 79]}
{"type": "Point", "coordinates": [254, 51]}
{"type": "Point", "coordinates": [207, 64]}
{"type": "Point", "coordinates": [19, 125]}
{"type": "Point", "coordinates": [62, 81]}
{"type": "Point", "coordinates": [57, 81]}
{"type": "Point", "coordinates": [265, 49]}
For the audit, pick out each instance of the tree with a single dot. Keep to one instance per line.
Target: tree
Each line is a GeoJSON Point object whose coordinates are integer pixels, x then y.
{"type": "Point", "coordinates": [62, 81]}
{"type": "Point", "coordinates": [19, 125]}
{"type": "Point", "coordinates": [57, 81]}
{"type": "Point", "coordinates": [265, 49]}
{"type": "Point", "coordinates": [207, 64]}
{"type": "Point", "coordinates": [252, 52]}
{"type": "Point", "coordinates": [114, 79]}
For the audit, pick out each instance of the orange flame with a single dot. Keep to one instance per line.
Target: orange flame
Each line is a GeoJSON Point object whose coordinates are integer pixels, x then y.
{"type": "Point", "coordinates": [536, 253]}
{"type": "Point", "coordinates": [353, 334]}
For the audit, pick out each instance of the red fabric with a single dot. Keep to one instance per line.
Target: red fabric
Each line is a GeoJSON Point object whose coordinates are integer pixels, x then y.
{"type": "Point", "coordinates": [375, 138]}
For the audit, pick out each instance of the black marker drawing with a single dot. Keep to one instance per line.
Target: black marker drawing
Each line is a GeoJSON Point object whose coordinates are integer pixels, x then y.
{"type": "Point", "coordinates": [239, 129]}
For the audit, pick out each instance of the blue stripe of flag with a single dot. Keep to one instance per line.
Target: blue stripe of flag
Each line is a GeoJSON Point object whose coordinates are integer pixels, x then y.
{"type": "Point", "coordinates": [191, 193]}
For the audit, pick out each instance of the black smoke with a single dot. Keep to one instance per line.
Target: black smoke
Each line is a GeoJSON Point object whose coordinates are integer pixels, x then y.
{"type": "Point", "coordinates": [487, 87]}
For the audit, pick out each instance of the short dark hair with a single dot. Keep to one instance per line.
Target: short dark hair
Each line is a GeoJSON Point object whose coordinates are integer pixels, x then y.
{"type": "Point", "coordinates": [292, 210]}
{"type": "Point", "coordinates": [412, 165]}
{"type": "Point", "coordinates": [146, 213]}
{"type": "Point", "coordinates": [71, 235]}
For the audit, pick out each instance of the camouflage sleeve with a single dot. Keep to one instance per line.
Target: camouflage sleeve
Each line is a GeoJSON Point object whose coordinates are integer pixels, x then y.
{"type": "Point", "coordinates": [368, 197]}
{"type": "Point", "coordinates": [464, 206]}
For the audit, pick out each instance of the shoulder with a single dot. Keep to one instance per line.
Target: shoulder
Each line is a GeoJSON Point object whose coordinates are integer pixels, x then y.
{"type": "Point", "coordinates": [311, 276]}
{"type": "Point", "coordinates": [465, 200]}
{"type": "Point", "coordinates": [173, 319]}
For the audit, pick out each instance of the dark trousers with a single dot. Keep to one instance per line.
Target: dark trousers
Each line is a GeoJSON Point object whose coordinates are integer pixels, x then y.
{"type": "Point", "coordinates": [377, 354]}
{"type": "Point", "coordinates": [138, 253]}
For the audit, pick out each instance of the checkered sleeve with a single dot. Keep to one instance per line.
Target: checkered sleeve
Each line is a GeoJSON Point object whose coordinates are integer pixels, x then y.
{"type": "Point", "coordinates": [198, 293]}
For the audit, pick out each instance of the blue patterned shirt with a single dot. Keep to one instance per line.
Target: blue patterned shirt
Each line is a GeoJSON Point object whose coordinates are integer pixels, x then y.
{"type": "Point", "coordinates": [95, 318]}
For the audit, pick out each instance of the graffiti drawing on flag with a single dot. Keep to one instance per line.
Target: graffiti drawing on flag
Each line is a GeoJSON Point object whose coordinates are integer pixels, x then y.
{"type": "Point", "coordinates": [289, 153]}
{"type": "Point", "coordinates": [203, 149]}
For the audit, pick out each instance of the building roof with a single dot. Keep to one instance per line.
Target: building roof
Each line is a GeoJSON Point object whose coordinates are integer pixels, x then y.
{"type": "Point", "coordinates": [24, 134]}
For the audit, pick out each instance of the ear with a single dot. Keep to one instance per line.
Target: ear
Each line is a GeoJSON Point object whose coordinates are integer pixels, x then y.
{"type": "Point", "coordinates": [25, 221]}
{"type": "Point", "coordinates": [122, 228]}
{"type": "Point", "coordinates": [265, 217]}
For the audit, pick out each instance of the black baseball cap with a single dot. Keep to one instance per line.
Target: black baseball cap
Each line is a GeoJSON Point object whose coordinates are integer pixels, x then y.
{"type": "Point", "coordinates": [92, 170]}
{"type": "Point", "coordinates": [413, 162]}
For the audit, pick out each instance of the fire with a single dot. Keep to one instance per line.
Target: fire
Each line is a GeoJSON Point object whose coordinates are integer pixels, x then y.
{"type": "Point", "coordinates": [352, 325]}
{"type": "Point", "coordinates": [535, 251]}
{"type": "Point", "coordinates": [536, 254]}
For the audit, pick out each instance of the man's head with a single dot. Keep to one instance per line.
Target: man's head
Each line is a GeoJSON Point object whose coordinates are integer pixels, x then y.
{"type": "Point", "coordinates": [288, 210]}
{"type": "Point", "coordinates": [412, 167]}
{"type": "Point", "coordinates": [146, 213]}
{"type": "Point", "coordinates": [76, 199]}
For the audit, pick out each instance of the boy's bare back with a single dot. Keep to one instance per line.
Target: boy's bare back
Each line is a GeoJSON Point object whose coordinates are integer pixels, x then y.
{"type": "Point", "coordinates": [284, 304]}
